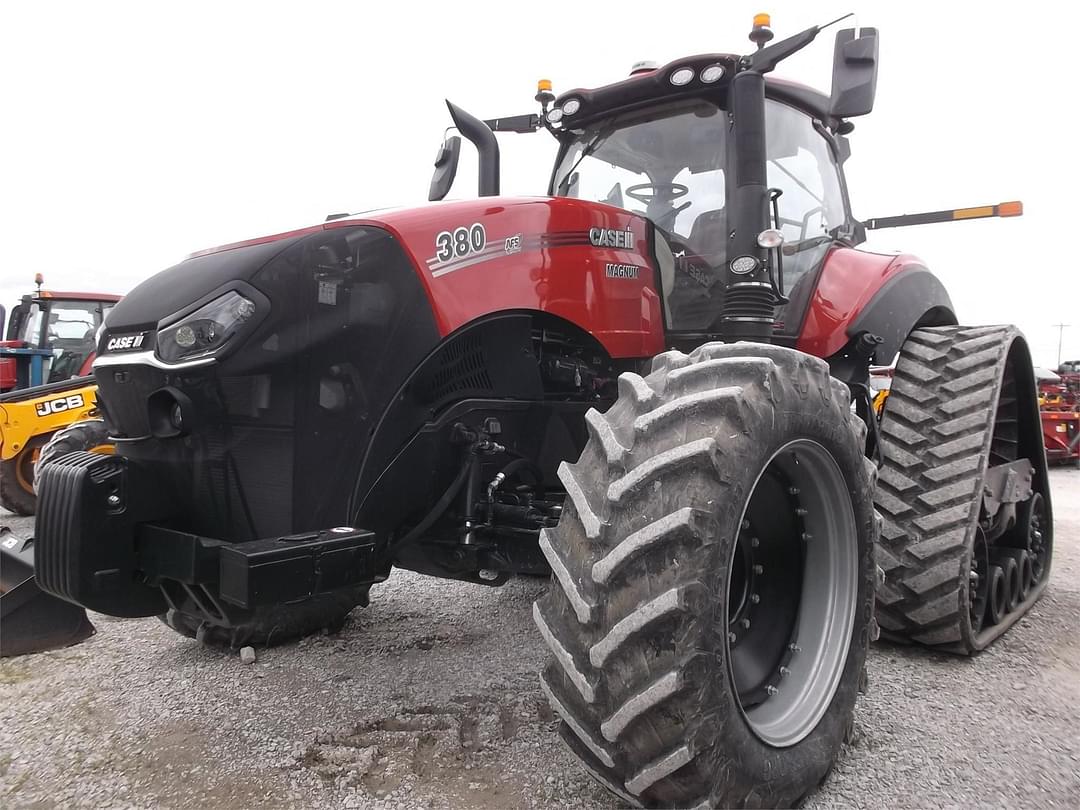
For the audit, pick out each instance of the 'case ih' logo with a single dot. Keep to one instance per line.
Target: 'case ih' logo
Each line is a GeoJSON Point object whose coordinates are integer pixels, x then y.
{"type": "Point", "coordinates": [609, 237]}
{"type": "Point", "coordinates": [59, 405]}
{"type": "Point", "coordinates": [123, 343]}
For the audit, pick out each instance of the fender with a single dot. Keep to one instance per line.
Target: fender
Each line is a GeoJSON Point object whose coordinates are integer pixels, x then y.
{"type": "Point", "coordinates": [886, 295]}
{"type": "Point", "coordinates": [478, 371]}
{"type": "Point", "coordinates": [911, 298]}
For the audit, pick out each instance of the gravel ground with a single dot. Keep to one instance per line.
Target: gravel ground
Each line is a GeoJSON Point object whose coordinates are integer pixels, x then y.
{"type": "Point", "coordinates": [429, 699]}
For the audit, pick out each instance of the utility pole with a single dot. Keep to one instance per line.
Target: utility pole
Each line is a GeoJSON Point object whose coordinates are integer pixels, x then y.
{"type": "Point", "coordinates": [1061, 327]}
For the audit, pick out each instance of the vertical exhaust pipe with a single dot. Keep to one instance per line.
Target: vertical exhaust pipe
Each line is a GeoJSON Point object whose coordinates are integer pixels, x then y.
{"type": "Point", "coordinates": [487, 147]}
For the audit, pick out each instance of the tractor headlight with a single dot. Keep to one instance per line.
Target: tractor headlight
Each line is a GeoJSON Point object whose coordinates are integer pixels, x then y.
{"type": "Point", "coordinates": [206, 330]}
{"type": "Point", "coordinates": [682, 76]}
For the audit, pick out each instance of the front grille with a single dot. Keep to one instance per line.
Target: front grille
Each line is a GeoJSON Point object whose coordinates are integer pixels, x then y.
{"type": "Point", "coordinates": [460, 366]}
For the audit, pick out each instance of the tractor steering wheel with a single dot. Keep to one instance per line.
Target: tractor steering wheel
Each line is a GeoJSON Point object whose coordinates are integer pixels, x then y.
{"type": "Point", "coordinates": [673, 192]}
{"type": "Point", "coordinates": [664, 194]}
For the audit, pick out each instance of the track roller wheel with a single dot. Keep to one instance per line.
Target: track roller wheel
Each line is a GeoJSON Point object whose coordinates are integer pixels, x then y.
{"type": "Point", "coordinates": [713, 581]}
{"type": "Point", "coordinates": [999, 595]}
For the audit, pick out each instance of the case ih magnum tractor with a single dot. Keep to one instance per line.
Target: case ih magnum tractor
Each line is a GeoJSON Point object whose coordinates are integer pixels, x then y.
{"type": "Point", "coordinates": [652, 381]}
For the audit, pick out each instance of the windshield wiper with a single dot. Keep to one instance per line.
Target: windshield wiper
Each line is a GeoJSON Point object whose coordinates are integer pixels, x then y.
{"type": "Point", "coordinates": [590, 147]}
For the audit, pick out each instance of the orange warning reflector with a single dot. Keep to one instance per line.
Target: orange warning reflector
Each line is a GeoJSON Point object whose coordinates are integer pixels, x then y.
{"type": "Point", "coordinates": [762, 21]}
{"type": "Point", "coordinates": [973, 213]}
{"type": "Point", "coordinates": [1010, 209]}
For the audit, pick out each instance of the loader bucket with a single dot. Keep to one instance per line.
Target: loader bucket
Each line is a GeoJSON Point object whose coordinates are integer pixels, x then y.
{"type": "Point", "coordinates": [30, 619]}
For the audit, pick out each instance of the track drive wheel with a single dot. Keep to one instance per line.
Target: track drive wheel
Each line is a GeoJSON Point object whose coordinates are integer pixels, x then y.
{"type": "Point", "coordinates": [958, 406]}
{"type": "Point", "coordinates": [713, 581]}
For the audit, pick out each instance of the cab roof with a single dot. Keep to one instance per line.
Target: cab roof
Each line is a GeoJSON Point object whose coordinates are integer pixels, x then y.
{"type": "Point", "coordinates": [647, 87]}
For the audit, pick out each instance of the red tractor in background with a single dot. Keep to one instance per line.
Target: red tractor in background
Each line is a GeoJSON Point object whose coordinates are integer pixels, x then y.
{"type": "Point", "coordinates": [50, 336]}
{"type": "Point", "coordinates": [1059, 408]}
{"type": "Point", "coordinates": [653, 382]}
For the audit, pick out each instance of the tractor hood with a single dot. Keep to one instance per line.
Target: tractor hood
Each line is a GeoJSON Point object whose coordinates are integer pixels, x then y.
{"type": "Point", "coordinates": [554, 254]}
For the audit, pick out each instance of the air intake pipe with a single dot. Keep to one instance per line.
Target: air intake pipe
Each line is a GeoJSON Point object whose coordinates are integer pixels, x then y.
{"type": "Point", "coordinates": [750, 300]}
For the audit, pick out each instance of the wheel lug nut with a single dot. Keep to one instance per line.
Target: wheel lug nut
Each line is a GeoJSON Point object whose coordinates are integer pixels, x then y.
{"type": "Point", "coordinates": [800, 512]}
{"type": "Point", "coordinates": [794, 647]}
{"type": "Point", "coordinates": [772, 690]}
{"type": "Point", "coordinates": [754, 542]}
{"type": "Point", "coordinates": [784, 672]}
{"type": "Point", "coordinates": [755, 598]}
{"type": "Point", "coordinates": [732, 638]}
{"type": "Point", "coordinates": [746, 524]}
{"type": "Point", "coordinates": [745, 624]}
{"type": "Point", "coordinates": [758, 569]}
{"type": "Point", "coordinates": [807, 537]}
{"type": "Point", "coordinates": [793, 490]}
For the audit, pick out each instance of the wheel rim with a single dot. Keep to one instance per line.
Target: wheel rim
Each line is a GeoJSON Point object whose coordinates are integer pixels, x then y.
{"type": "Point", "coordinates": [24, 469]}
{"type": "Point", "coordinates": [787, 644]}
{"type": "Point", "coordinates": [1038, 548]}
{"type": "Point", "coordinates": [978, 580]}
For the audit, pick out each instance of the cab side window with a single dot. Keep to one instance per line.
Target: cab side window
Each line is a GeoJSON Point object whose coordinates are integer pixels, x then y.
{"type": "Point", "coordinates": [801, 164]}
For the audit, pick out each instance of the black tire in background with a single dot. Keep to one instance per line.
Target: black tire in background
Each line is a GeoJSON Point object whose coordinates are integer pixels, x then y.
{"type": "Point", "coordinates": [714, 581]}
{"type": "Point", "coordinates": [90, 435]}
{"type": "Point", "coordinates": [271, 625]}
{"type": "Point", "coordinates": [955, 407]}
{"type": "Point", "coordinates": [17, 482]}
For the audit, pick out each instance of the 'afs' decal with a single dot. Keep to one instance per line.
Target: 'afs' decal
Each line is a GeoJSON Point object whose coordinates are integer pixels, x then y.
{"type": "Point", "coordinates": [59, 405]}
{"type": "Point", "coordinates": [125, 342]}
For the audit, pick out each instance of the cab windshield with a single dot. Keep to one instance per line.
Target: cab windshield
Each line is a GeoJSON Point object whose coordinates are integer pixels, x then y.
{"type": "Point", "coordinates": [666, 164]}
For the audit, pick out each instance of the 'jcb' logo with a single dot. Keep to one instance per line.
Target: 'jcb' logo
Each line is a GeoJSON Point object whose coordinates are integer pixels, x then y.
{"type": "Point", "coordinates": [50, 406]}
{"type": "Point", "coordinates": [126, 342]}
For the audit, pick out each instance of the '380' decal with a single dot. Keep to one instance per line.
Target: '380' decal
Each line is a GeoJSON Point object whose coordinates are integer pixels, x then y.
{"type": "Point", "coordinates": [460, 242]}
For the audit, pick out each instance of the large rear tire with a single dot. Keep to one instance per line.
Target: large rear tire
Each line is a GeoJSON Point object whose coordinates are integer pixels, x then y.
{"type": "Point", "coordinates": [714, 581]}
{"type": "Point", "coordinates": [955, 408]}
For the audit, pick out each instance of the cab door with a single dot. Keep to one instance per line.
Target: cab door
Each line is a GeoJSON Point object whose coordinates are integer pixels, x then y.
{"type": "Point", "coordinates": [814, 216]}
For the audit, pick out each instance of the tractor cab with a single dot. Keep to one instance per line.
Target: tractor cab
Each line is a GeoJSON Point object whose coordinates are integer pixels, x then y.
{"type": "Point", "coordinates": [50, 336]}
{"type": "Point", "coordinates": [739, 174]}
{"type": "Point", "coordinates": [672, 162]}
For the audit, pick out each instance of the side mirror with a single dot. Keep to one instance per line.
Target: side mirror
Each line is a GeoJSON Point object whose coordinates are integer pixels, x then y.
{"type": "Point", "coordinates": [854, 78]}
{"type": "Point", "coordinates": [446, 162]}
{"type": "Point", "coordinates": [18, 314]}
{"type": "Point", "coordinates": [3, 318]}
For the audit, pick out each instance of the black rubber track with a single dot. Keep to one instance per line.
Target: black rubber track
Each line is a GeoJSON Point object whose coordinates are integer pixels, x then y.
{"type": "Point", "coordinates": [636, 615]}
{"type": "Point", "coordinates": [937, 436]}
{"type": "Point", "coordinates": [81, 435]}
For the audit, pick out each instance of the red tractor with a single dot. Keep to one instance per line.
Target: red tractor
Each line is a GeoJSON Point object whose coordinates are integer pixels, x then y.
{"type": "Point", "coordinates": [652, 382]}
{"type": "Point", "coordinates": [1059, 407]}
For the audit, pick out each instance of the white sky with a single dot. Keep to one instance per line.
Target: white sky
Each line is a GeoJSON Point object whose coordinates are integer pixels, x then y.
{"type": "Point", "coordinates": [136, 133]}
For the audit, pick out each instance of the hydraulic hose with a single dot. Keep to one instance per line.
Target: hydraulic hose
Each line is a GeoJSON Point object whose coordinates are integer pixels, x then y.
{"type": "Point", "coordinates": [440, 506]}
{"type": "Point", "coordinates": [509, 470]}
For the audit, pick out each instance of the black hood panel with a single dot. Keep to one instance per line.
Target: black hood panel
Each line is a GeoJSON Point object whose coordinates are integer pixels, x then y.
{"type": "Point", "coordinates": [182, 284]}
